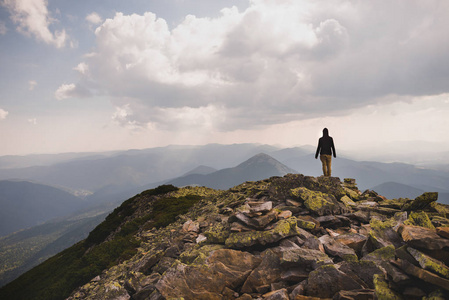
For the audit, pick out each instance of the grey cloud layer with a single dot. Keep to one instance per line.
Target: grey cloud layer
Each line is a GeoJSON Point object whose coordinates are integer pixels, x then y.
{"type": "Point", "coordinates": [272, 63]}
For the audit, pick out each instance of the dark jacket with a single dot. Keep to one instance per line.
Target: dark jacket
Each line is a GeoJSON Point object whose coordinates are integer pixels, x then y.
{"type": "Point", "coordinates": [325, 145]}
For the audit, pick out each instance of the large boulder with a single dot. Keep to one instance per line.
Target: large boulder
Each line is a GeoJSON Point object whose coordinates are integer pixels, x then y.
{"type": "Point", "coordinates": [423, 238]}
{"type": "Point", "coordinates": [327, 280]}
{"type": "Point", "coordinates": [421, 202]}
{"type": "Point", "coordinates": [317, 202]}
{"type": "Point", "coordinates": [224, 268]}
{"type": "Point", "coordinates": [302, 257]}
{"type": "Point", "coordinates": [265, 274]}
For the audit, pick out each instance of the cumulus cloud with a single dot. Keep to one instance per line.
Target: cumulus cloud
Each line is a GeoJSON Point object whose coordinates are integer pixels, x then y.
{"type": "Point", "coordinates": [94, 18]}
{"type": "Point", "coordinates": [65, 91]}
{"type": "Point", "coordinates": [71, 91]}
{"type": "Point", "coordinates": [32, 18]}
{"type": "Point", "coordinates": [274, 62]}
{"type": "Point", "coordinates": [83, 68]}
{"type": "Point", "coordinates": [3, 114]}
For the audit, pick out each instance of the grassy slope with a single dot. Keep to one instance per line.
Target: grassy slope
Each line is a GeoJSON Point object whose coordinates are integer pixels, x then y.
{"type": "Point", "coordinates": [57, 277]}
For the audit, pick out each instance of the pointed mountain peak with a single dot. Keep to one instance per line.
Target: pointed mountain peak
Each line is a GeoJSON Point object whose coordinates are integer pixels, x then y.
{"type": "Point", "coordinates": [263, 159]}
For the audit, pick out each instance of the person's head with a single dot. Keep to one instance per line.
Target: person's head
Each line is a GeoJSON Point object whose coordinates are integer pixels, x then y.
{"type": "Point", "coordinates": [325, 132]}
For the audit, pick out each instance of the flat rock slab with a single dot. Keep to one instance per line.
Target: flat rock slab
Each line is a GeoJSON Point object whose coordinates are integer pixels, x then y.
{"type": "Point", "coordinates": [335, 248]}
{"type": "Point", "coordinates": [422, 274]}
{"type": "Point", "coordinates": [308, 258]}
{"type": "Point", "coordinates": [282, 229]}
{"type": "Point", "coordinates": [443, 232]}
{"type": "Point", "coordinates": [352, 240]}
{"type": "Point", "coordinates": [428, 263]}
{"type": "Point", "coordinates": [421, 237]}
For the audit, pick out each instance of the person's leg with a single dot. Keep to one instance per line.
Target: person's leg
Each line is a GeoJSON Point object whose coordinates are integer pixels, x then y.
{"type": "Point", "coordinates": [324, 164]}
{"type": "Point", "coordinates": [329, 165]}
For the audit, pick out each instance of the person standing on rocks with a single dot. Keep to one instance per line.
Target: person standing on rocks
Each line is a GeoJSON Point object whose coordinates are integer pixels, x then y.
{"type": "Point", "coordinates": [326, 149]}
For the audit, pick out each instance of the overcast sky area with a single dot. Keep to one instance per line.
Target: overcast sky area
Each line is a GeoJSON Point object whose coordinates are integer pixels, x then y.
{"type": "Point", "coordinates": [109, 74]}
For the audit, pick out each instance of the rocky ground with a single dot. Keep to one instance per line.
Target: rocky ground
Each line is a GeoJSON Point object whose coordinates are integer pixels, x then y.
{"type": "Point", "coordinates": [292, 237]}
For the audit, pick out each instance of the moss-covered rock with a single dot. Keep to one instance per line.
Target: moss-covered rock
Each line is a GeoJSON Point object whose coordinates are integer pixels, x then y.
{"type": "Point", "coordinates": [419, 219]}
{"type": "Point", "coordinates": [383, 254]}
{"type": "Point", "coordinates": [428, 263]}
{"type": "Point", "coordinates": [347, 201]}
{"type": "Point", "coordinates": [421, 202]}
{"type": "Point", "coordinates": [317, 202]}
{"type": "Point", "coordinates": [383, 291]}
{"type": "Point", "coordinates": [217, 233]}
{"type": "Point", "coordinates": [198, 255]}
{"type": "Point", "coordinates": [282, 229]}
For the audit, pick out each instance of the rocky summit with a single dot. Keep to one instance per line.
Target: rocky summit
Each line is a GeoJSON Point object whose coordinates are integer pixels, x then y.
{"type": "Point", "coordinates": [292, 237]}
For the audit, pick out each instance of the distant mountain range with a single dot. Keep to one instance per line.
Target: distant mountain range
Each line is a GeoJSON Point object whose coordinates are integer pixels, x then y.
{"type": "Point", "coordinates": [104, 180]}
{"type": "Point", "coordinates": [260, 166]}
{"type": "Point", "coordinates": [26, 204]}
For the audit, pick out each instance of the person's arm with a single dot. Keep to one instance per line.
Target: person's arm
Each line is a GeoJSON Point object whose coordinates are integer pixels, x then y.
{"type": "Point", "coordinates": [333, 148]}
{"type": "Point", "coordinates": [318, 148]}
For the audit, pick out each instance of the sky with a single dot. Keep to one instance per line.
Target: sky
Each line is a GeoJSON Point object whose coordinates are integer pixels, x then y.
{"type": "Point", "coordinates": [78, 76]}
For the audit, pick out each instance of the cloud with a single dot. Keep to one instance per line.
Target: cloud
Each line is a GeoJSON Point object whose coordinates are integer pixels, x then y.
{"type": "Point", "coordinates": [94, 18]}
{"type": "Point", "coordinates": [83, 68]}
{"type": "Point", "coordinates": [3, 114]}
{"type": "Point", "coordinates": [65, 91]}
{"type": "Point", "coordinates": [32, 121]}
{"type": "Point", "coordinates": [32, 18]}
{"type": "Point", "coordinates": [71, 91]}
{"type": "Point", "coordinates": [272, 63]}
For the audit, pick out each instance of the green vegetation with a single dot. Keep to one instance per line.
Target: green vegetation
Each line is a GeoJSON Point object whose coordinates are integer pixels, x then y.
{"type": "Point", "coordinates": [80, 263]}
{"type": "Point", "coordinates": [116, 218]}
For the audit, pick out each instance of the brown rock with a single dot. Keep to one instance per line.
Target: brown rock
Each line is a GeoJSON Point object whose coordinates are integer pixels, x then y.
{"type": "Point", "coordinates": [421, 237]}
{"type": "Point", "coordinates": [365, 294]}
{"type": "Point", "coordinates": [422, 274]}
{"type": "Point", "coordinates": [302, 297]}
{"type": "Point", "coordinates": [335, 248]}
{"type": "Point", "coordinates": [285, 214]}
{"type": "Point", "coordinates": [264, 220]}
{"type": "Point", "coordinates": [245, 297]}
{"type": "Point", "coordinates": [352, 240]}
{"type": "Point", "coordinates": [364, 270]}
{"type": "Point", "coordinates": [308, 258]}
{"type": "Point", "coordinates": [238, 227]}
{"type": "Point", "coordinates": [266, 273]}
{"type": "Point", "coordinates": [428, 263]}
{"type": "Point", "coordinates": [443, 231]}
{"type": "Point", "coordinates": [294, 275]}
{"type": "Point", "coordinates": [277, 295]}
{"type": "Point", "coordinates": [191, 226]}
{"type": "Point", "coordinates": [293, 203]}
{"type": "Point", "coordinates": [326, 281]}
{"type": "Point", "coordinates": [223, 268]}
{"type": "Point", "coordinates": [262, 207]}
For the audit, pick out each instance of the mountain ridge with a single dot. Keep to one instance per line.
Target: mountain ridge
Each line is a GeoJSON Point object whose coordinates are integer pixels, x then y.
{"type": "Point", "coordinates": [257, 167]}
{"type": "Point", "coordinates": [289, 237]}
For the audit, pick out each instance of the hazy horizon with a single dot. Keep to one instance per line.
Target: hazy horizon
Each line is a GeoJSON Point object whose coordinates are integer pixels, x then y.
{"type": "Point", "coordinates": [426, 155]}
{"type": "Point", "coordinates": [111, 75]}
